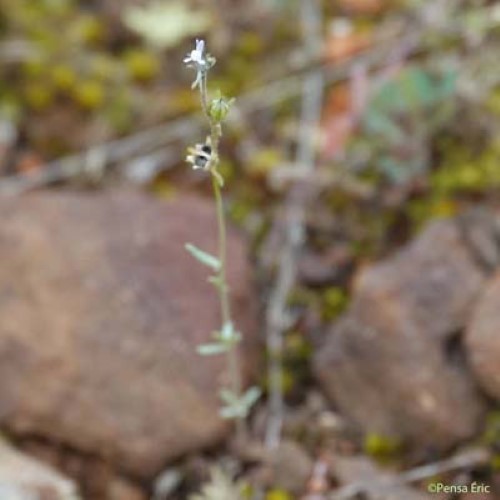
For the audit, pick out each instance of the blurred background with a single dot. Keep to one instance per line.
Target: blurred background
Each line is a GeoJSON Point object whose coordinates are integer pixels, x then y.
{"type": "Point", "coordinates": [362, 167]}
{"type": "Point", "coordinates": [395, 76]}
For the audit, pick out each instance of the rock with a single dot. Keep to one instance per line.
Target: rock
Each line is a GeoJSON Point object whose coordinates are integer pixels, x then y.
{"type": "Point", "coordinates": [482, 339]}
{"type": "Point", "coordinates": [8, 138]}
{"type": "Point", "coordinates": [432, 282]}
{"type": "Point", "coordinates": [291, 467]}
{"type": "Point", "coordinates": [94, 476]}
{"type": "Point", "coordinates": [287, 467]}
{"type": "Point", "coordinates": [121, 489]}
{"type": "Point", "coordinates": [481, 230]}
{"type": "Point", "coordinates": [374, 482]}
{"type": "Point", "coordinates": [166, 483]}
{"type": "Point", "coordinates": [101, 310]}
{"type": "Point", "coordinates": [333, 267]}
{"type": "Point", "coordinates": [23, 478]}
{"type": "Point", "coordinates": [390, 363]}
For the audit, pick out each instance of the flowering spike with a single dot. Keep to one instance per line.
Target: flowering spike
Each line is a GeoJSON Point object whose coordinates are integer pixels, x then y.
{"type": "Point", "coordinates": [205, 156]}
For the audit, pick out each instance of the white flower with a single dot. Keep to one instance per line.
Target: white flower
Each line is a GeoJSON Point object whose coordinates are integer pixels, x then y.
{"type": "Point", "coordinates": [196, 56]}
{"type": "Point", "coordinates": [200, 156]}
{"type": "Point", "coordinates": [200, 61]}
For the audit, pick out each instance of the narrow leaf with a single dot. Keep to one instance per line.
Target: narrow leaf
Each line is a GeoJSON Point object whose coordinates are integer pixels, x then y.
{"type": "Point", "coordinates": [230, 412]}
{"type": "Point", "coordinates": [227, 332]}
{"type": "Point", "coordinates": [251, 396]}
{"type": "Point", "coordinates": [228, 397]}
{"type": "Point", "coordinates": [216, 281]}
{"type": "Point", "coordinates": [218, 177]}
{"type": "Point", "coordinates": [203, 257]}
{"type": "Point", "coordinates": [211, 349]}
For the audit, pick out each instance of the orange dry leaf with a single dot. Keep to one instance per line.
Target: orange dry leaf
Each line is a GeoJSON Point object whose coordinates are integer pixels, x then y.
{"type": "Point", "coordinates": [339, 100]}
{"type": "Point", "coordinates": [337, 123]}
{"type": "Point", "coordinates": [344, 107]}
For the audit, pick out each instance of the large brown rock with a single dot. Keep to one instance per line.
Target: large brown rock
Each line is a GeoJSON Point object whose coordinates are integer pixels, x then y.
{"type": "Point", "coordinates": [23, 478]}
{"type": "Point", "coordinates": [101, 310]}
{"type": "Point", "coordinates": [482, 339]}
{"type": "Point", "coordinates": [390, 362]}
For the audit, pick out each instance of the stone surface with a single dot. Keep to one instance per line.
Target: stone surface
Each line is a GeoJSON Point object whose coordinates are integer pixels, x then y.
{"type": "Point", "coordinates": [23, 478]}
{"type": "Point", "coordinates": [287, 467]}
{"type": "Point", "coordinates": [377, 483]}
{"type": "Point", "coordinates": [391, 363]}
{"type": "Point", "coordinates": [480, 228]}
{"type": "Point", "coordinates": [121, 489]}
{"type": "Point", "coordinates": [101, 310]}
{"type": "Point", "coordinates": [291, 467]}
{"type": "Point", "coordinates": [482, 339]}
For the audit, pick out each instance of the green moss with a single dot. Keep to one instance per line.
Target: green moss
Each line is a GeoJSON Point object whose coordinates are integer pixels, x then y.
{"type": "Point", "coordinates": [493, 102]}
{"type": "Point", "coordinates": [296, 356]}
{"type": "Point", "coordinates": [250, 44]}
{"type": "Point", "coordinates": [141, 64]}
{"type": "Point", "coordinates": [10, 107]}
{"type": "Point", "coordinates": [104, 67]}
{"type": "Point", "coordinates": [63, 76]}
{"type": "Point", "coordinates": [89, 94]}
{"type": "Point", "coordinates": [491, 433]}
{"type": "Point", "coordinates": [277, 494]}
{"type": "Point", "coordinates": [465, 171]}
{"type": "Point", "coordinates": [381, 447]}
{"type": "Point", "coordinates": [89, 29]}
{"type": "Point", "coordinates": [119, 111]}
{"type": "Point", "coordinates": [287, 383]}
{"type": "Point", "coordinates": [334, 301]}
{"type": "Point", "coordinates": [495, 462]}
{"type": "Point", "coordinates": [422, 210]}
{"type": "Point", "coordinates": [301, 296]}
{"type": "Point", "coordinates": [39, 96]}
{"type": "Point", "coordinates": [462, 173]}
{"type": "Point", "coordinates": [34, 68]}
{"type": "Point", "coordinates": [84, 68]}
{"type": "Point", "coordinates": [297, 347]}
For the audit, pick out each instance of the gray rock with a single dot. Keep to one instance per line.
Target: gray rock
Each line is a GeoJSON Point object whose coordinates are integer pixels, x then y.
{"type": "Point", "coordinates": [482, 339]}
{"type": "Point", "coordinates": [387, 362]}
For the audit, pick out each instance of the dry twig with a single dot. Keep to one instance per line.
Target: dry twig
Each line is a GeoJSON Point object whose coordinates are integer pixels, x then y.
{"type": "Point", "coordinates": [312, 97]}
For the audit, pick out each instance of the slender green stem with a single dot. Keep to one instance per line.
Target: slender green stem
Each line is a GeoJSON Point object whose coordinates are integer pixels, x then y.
{"type": "Point", "coordinates": [224, 292]}
{"type": "Point", "coordinates": [204, 95]}
{"type": "Point", "coordinates": [232, 354]}
{"type": "Point", "coordinates": [233, 364]}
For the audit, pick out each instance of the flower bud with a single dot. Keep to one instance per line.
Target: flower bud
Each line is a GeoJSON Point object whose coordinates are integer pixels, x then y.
{"type": "Point", "coordinates": [219, 108]}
